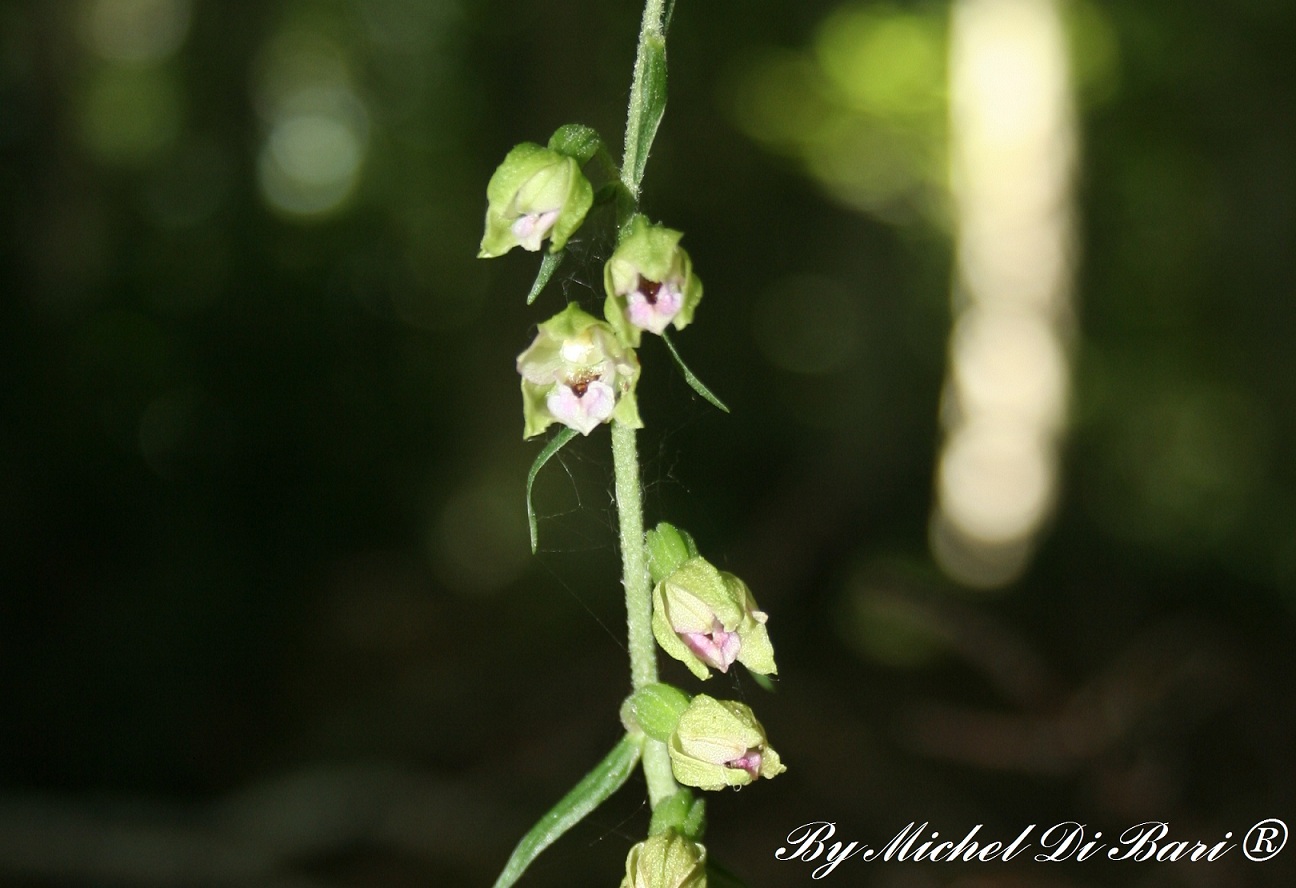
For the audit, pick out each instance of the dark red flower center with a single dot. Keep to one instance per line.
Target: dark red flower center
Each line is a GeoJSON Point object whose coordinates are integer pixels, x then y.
{"type": "Point", "coordinates": [649, 289]}
{"type": "Point", "coordinates": [580, 384]}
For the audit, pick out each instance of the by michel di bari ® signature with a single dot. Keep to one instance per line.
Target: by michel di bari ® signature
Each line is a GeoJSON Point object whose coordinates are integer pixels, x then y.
{"type": "Point", "coordinates": [815, 843]}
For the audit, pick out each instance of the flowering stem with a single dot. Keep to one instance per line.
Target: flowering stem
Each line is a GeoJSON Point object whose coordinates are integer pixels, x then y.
{"type": "Point", "coordinates": [647, 102]}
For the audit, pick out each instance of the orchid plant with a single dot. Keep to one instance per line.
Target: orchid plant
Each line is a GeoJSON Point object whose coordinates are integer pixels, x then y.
{"type": "Point", "coordinates": [580, 373]}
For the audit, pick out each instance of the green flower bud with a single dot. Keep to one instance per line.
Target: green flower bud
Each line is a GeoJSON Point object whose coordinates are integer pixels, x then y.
{"type": "Point", "coordinates": [719, 743]}
{"type": "Point", "coordinates": [655, 709]}
{"type": "Point", "coordinates": [666, 860]}
{"type": "Point", "coordinates": [649, 282]}
{"type": "Point", "coordinates": [577, 372]}
{"type": "Point", "coordinates": [706, 617]}
{"type": "Point", "coordinates": [535, 193]}
{"type": "Point", "coordinates": [668, 548]}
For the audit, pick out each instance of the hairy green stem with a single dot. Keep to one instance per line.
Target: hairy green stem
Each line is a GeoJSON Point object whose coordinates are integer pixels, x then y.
{"type": "Point", "coordinates": [634, 557]}
{"type": "Point", "coordinates": [625, 456]}
{"type": "Point", "coordinates": [638, 593]}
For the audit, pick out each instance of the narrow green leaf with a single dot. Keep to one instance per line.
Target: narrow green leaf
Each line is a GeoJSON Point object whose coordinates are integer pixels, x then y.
{"type": "Point", "coordinates": [690, 378]}
{"type": "Point", "coordinates": [576, 140]}
{"type": "Point", "coordinates": [763, 680]}
{"type": "Point", "coordinates": [595, 788]}
{"type": "Point", "coordinates": [548, 265]}
{"type": "Point", "coordinates": [555, 444]}
{"type": "Point", "coordinates": [653, 98]}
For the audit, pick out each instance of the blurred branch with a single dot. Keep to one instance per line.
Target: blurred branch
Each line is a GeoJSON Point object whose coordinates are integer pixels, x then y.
{"type": "Point", "coordinates": [1176, 674]}
{"type": "Point", "coordinates": [1003, 657]}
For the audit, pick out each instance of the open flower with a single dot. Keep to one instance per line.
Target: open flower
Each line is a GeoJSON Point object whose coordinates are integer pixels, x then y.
{"type": "Point", "coordinates": [707, 619]}
{"type": "Point", "coordinates": [719, 743]}
{"type": "Point", "coordinates": [577, 372]}
{"type": "Point", "coordinates": [649, 282]}
{"type": "Point", "coordinates": [666, 860]}
{"type": "Point", "coordinates": [535, 193]}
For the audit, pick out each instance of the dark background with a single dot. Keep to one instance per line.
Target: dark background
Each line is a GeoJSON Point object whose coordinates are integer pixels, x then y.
{"type": "Point", "coordinates": [268, 615]}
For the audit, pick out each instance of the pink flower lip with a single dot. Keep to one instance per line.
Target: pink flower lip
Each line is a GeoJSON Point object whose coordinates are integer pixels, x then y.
{"type": "Point", "coordinates": [749, 761]}
{"type": "Point", "coordinates": [716, 648]}
{"type": "Point", "coordinates": [582, 404]}
{"type": "Point", "coordinates": [652, 305]}
{"type": "Point", "coordinates": [531, 228]}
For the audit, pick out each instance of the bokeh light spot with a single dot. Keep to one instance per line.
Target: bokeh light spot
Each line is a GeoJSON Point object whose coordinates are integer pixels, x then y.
{"type": "Point", "coordinates": [884, 63]}
{"type": "Point", "coordinates": [135, 31]}
{"type": "Point", "coordinates": [317, 137]}
{"type": "Point", "coordinates": [995, 481]}
{"type": "Point", "coordinates": [478, 542]}
{"type": "Point", "coordinates": [864, 109]}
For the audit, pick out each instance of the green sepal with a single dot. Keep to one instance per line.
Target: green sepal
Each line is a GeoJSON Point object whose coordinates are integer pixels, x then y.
{"type": "Point", "coordinates": [548, 265]}
{"type": "Point", "coordinates": [710, 735]}
{"type": "Point", "coordinates": [626, 411]}
{"type": "Point", "coordinates": [556, 443]}
{"type": "Point", "coordinates": [696, 596]}
{"type": "Point", "coordinates": [690, 599]}
{"type": "Point", "coordinates": [757, 652]}
{"type": "Point", "coordinates": [668, 549]}
{"type": "Point", "coordinates": [578, 141]}
{"type": "Point", "coordinates": [656, 708]}
{"type": "Point", "coordinates": [683, 812]}
{"type": "Point", "coordinates": [594, 788]}
{"type": "Point", "coordinates": [693, 381]}
{"type": "Point", "coordinates": [534, 179]}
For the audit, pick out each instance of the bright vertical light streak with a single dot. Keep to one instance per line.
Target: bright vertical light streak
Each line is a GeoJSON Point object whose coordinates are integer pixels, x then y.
{"type": "Point", "coordinates": [1012, 156]}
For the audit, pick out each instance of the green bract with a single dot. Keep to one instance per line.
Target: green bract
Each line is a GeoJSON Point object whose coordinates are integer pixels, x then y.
{"type": "Point", "coordinates": [649, 282]}
{"type": "Point", "coordinates": [666, 860]}
{"type": "Point", "coordinates": [655, 709]}
{"type": "Point", "coordinates": [535, 193]}
{"type": "Point", "coordinates": [577, 372]}
{"type": "Point", "coordinates": [719, 743]}
{"type": "Point", "coordinates": [706, 617]}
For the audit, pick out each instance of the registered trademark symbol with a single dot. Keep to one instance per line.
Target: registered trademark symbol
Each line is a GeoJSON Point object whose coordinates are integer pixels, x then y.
{"type": "Point", "coordinates": [1265, 839]}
